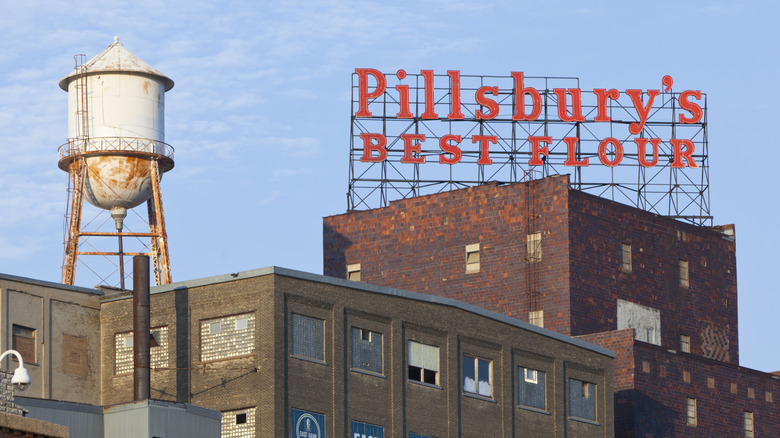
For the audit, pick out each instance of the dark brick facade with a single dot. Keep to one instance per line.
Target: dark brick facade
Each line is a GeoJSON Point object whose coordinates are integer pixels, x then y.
{"type": "Point", "coordinates": [275, 381]}
{"type": "Point", "coordinates": [419, 243]}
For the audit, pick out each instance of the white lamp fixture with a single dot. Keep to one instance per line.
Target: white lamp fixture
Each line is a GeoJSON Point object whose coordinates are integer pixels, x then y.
{"type": "Point", "coordinates": [20, 378]}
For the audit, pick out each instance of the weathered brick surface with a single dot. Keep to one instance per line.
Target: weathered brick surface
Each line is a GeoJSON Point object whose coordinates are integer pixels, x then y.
{"type": "Point", "coordinates": [275, 381]}
{"type": "Point", "coordinates": [706, 311]}
{"type": "Point", "coordinates": [418, 244]}
{"type": "Point", "coordinates": [660, 396]}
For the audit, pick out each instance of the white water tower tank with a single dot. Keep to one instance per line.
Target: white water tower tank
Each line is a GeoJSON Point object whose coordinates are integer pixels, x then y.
{"type": "Point", "coordinates": [116, 123]}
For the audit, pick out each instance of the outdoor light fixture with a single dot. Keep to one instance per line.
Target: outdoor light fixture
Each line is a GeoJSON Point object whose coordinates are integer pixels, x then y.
{"type": "Point", "coordinates": [20, 378]}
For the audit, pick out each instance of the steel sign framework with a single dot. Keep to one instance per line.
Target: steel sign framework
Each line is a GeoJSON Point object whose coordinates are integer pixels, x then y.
{"type": "Point", "coordinates": [620, 165]}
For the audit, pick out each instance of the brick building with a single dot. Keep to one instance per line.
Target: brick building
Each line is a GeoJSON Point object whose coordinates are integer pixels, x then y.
{"type": "Point", "coordinates": [357, 358]}
{"type": "Point", "coordinates": [582, 266]}
{"type": "Point", "coordinates": [279, 351]}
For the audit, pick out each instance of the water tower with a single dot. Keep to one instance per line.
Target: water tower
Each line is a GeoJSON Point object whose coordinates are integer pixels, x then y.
{"type": "Point", "coordinates": [116, 153]}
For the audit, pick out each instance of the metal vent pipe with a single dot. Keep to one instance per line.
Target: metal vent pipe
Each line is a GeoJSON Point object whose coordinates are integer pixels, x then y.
{"type": "Point", "coordinates": [141, 328]}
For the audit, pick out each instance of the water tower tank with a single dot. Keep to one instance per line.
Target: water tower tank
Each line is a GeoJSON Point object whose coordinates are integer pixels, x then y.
{"type": "Point", "coordinates": [116, 108]}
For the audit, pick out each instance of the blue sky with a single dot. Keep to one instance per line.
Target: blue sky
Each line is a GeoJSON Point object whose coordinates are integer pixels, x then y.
{"type": "Point", "coordinates": [259, 115]}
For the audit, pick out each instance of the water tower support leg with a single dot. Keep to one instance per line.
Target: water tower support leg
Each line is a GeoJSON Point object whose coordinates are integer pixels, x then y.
{"type": "Point", "coordinates": [77, 173]}
{"type": "Point", "coordinates": [160, 261]}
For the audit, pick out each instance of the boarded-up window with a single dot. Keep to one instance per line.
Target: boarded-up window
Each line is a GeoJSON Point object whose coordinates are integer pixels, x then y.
{"type": "Point", "coordinates": [536, 317]}
{"type": "Point", "coordinates": [472, 257]}
{"type": "Point", "coordinates": [239, 423]}
{"type": "Point", "coordinates": [748, 424]}
{"type": "Point", "coordinates": [625, 257]}
{"type": "Point", "coordinates": [24, 343]}
{"type": "Point", "coordinates": [685, 343]}
{"type": "Point", "coordinates": [353, 272]}
{"type": "Point", "coordinates": [684, 279]}
{"type": "Point", "coordinates": [74, 355]}
{"type": "Point", "coordinates": [228, 336]}
{"type": "Point", "coordinates": [691, 411]}
{"type": "Point", "coordinates": [534, 247]}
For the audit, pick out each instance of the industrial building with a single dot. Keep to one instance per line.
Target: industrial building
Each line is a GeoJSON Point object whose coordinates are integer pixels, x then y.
{"type": "Point", "coordinates": [347, 356]}
{"type": "Point", "coordinates": [659, 292]}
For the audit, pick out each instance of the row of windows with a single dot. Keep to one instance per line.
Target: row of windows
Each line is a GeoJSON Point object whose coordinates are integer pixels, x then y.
{"type": "Point", "coordinates": [423, 366]}
{"type": "Point", "coordinates": [220, 338]}
{"type": "Point", "coordinates": [533, 255]}
{"type": "Point", "coordinates": [626, 265]}
{"type": "Point", "coordinates": [692, 417]}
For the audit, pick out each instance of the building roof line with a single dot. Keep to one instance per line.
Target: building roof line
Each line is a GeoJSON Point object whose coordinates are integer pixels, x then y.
{"type": "Point", "coordinates": [243, 275]}
{"type": "Point", "coordinates": [51, 284]}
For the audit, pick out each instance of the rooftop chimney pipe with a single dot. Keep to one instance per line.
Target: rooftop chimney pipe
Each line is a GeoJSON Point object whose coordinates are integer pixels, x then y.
{"type": "Point", "coordinates": [141, 328]}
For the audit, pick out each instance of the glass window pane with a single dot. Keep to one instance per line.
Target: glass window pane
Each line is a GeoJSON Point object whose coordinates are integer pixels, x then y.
{"type": "Point", "coordinates": [582, 399]}
{"type": "Point", "coordinates": [366, 350]}
{"type": "Point", "coordinates": [469, 378]}
{"type": "Point", "coordinates": [531, 388]}
{"type": "Point", "coordinates": [307, 337]}
{"type": "Point", "coordinates": [483, 373]}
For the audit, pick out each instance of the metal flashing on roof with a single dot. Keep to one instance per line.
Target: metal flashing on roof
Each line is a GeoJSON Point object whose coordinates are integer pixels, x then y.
{"type": "Point", "coordinates": [43, 283]}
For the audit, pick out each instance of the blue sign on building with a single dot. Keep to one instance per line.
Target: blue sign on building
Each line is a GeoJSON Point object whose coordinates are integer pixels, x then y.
{"type": "Point", "coordinates": [363, 430]}
{"type": "Point", "coordinates": [307, 424]}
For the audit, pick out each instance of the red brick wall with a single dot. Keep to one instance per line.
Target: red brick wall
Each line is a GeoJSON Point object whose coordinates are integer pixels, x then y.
{"type": "Point", "coordinates": [664, 380]}
{"type": "Point", "coordinates": [418, 244]}
{"type": "Point", "coordinates": [706, 311]}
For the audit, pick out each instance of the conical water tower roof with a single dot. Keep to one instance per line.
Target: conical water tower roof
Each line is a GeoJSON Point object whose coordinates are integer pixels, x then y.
{"type": "Point", "coordinates": [116, 58]}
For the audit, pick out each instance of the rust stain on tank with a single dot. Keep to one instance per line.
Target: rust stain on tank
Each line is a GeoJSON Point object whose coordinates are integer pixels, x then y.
{"type": "Point", "coordinates": [146, 87]}
{"type": "Point", "coordinates": [118, 181]}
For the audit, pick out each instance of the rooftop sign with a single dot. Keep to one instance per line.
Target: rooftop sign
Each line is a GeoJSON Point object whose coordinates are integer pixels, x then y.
{"type": "Point", "coordinates": [414, 134]}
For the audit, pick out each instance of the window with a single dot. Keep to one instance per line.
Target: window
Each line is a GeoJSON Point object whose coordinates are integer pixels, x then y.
{"type": "Point", "coordinates": [531, 388]}
{"type": "Point", "coordinates": [158, 351]}
{"type": "Point", "coordinates": [534, 246]}
{"type": "Point", "coordinates": [423, 363]}
{"type": "Point", "coordinates": [582, 399]}
{"type": "Point", "coordinates": [353, 272]}
{"type": "Point", "coordinates": [366, 350]}
{"type": "Point", "coordinates": [748, 424]}
{"type": "Point", "coordinates": [239, 423]}
{"type": "Point", "coordinates": [685, 343]}
{"type": "Point", "coordinates": [477, 378]}
{"type": "Point", "coordinates": [226, 337]}
{"type": "Point", "coordinates": [308, 337]}
{"type": "Point", "coordinates": [684, 274]}
{"type": "Point", "coordinates": [625, 258]}
{"type": "Point", "coordinates": [24, 343]}
{"type": "Point", "coordinates": [536, 317]}
{"type": "Point", "coordinates": [691, 411]}
{"type": "Point", "coordinates": [472, 258]}
{"type": "Point", "coordinates": [417, 435]}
